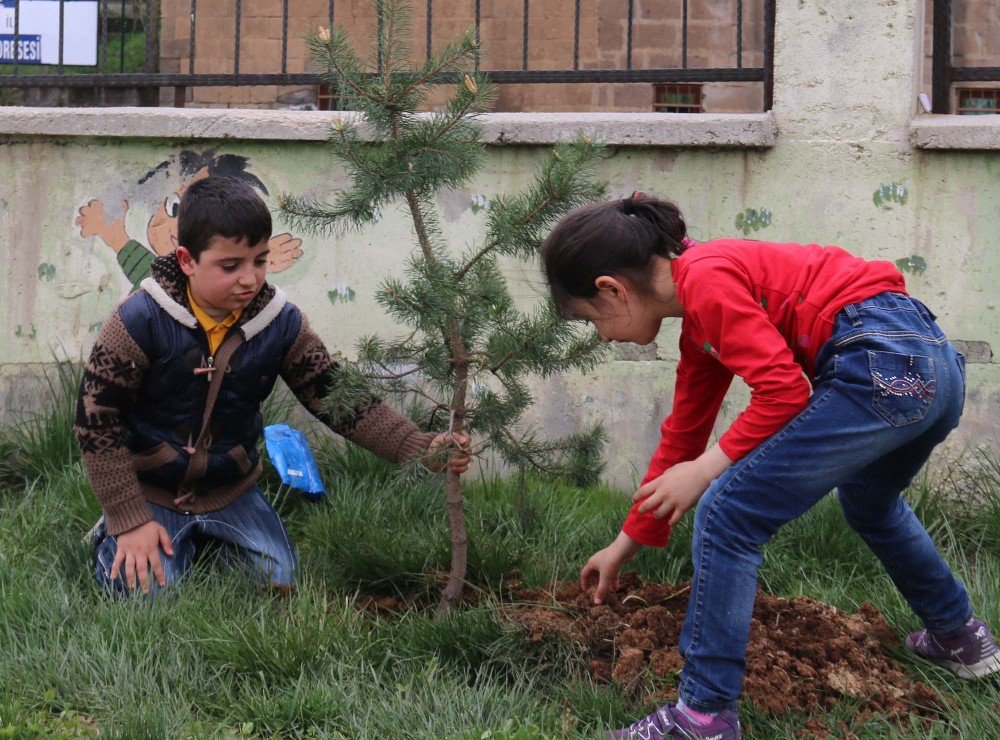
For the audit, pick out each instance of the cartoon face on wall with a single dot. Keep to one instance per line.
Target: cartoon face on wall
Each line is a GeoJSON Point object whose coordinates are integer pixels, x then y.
{"type": "Point", "coordinates": [162, 187]}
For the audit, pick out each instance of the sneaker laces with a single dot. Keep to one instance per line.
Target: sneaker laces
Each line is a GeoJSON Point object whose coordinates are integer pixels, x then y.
{"type": "Point", "coordinates": [645, 726]}
{"type": "Point", "coordinates": [923, 638]}
{"type": "Point", "coordinates": [987, 647]}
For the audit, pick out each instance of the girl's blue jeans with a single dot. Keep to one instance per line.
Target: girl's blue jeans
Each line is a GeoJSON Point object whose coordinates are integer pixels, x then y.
{"type": "Point", "coordinates": [888, 388]}
{"type": "Point", "coordinates": [249, 531]}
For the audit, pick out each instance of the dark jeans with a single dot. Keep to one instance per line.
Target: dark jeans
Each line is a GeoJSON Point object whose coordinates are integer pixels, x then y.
{"type": "Point", "coordinates": [889, 387]}
{"type": "Point", "coordinates": [248, 529]}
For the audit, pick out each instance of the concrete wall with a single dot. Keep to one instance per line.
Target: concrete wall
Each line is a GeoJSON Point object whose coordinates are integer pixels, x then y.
{"type": "Point", "coordinates": [843, 159]}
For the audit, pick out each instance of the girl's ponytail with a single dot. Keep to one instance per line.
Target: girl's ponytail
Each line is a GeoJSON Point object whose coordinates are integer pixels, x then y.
{"type": "Point", "coordinates": [664, 216]}
{"type": "Point", "coordinates": [616, 238]}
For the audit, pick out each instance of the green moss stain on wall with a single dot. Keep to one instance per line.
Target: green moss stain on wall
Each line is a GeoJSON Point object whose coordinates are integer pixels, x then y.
{"type": "Point", "coordinates": [890, 194]}
{"type": "Point", "coordinates": [914, 264]}
{"type": "Point", "coordinates": [753, 219]}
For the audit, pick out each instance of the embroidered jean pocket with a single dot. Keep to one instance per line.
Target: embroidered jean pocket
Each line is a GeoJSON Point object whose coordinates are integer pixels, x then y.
{"type": "Point", "coordinates": [904, 386]}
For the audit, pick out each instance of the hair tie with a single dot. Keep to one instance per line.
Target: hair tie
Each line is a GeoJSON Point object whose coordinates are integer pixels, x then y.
{"type": "Point", "coordinates": [629, 203]}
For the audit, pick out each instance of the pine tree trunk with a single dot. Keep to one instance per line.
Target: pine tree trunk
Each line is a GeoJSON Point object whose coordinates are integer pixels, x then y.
{"type": "Point", "coordinates": [453, 490]}
{"type": "Point", "coordinates": [459, 544]}
{"type": "Point", "coordinates": [453, 484]}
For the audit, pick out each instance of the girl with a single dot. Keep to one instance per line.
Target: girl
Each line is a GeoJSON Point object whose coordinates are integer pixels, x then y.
{"type": "Point", "coordinates": [887, 387]}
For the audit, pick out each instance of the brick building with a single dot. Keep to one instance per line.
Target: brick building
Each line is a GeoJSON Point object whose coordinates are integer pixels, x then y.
{"type": "Point", "coordinates": [656, 43]}
{"type": "Point", "coordinates": [975, 41]}
{"type": "Point", "coordinates": [603, 43]}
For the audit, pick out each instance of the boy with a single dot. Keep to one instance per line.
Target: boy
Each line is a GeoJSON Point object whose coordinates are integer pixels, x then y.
{"type": "Point", "coordinates": [168, 416]}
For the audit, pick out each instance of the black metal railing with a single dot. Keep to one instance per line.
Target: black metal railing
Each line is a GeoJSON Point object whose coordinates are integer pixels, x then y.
{"type": "Point", "coordinates": [944, 71]}
{"type": "Point", "coordinates": [147, 74]}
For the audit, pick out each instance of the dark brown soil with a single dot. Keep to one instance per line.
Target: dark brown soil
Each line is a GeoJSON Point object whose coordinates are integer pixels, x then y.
{"type": "Point", "coordinates": [803, 655]}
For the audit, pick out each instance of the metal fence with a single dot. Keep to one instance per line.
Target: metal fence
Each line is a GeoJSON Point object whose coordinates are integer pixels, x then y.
{"type": "Point", "coordinates": [945, 73]}
{"type": "Point", "coordinates": [106, 75]}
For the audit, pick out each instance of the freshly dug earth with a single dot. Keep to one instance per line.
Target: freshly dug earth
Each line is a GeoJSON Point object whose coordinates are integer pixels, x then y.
{"type": "Point", "coordinates": [803, 655]}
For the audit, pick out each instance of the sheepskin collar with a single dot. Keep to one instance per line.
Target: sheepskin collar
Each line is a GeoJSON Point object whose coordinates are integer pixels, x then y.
{"type": "Point", "coordinates": [167, 285]}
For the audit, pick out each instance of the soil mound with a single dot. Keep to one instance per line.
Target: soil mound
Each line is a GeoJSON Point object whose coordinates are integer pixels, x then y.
{"type": "Point", "coordinates": [803, 655]}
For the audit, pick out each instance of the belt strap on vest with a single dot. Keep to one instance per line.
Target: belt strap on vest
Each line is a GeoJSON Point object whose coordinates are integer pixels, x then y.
{"type": "Point", "coordinates": [198, 462]}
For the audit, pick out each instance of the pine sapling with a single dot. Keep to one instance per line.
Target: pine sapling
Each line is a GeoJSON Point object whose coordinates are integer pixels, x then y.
{"type": "Point", "coordinates": [469, 350]}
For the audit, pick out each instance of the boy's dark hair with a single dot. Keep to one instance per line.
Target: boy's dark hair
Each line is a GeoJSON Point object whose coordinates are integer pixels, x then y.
{"type": "Point", "coordinates": [616, 238]}
{"type": "Point", "coordinates": [221, 206]}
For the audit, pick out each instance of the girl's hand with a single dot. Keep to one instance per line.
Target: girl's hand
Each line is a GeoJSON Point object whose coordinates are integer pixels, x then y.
{"type": "Point", "coordinates": [674, 492]}
{"type": "Point", "coordinates": [604, 566]}
{"type": "Point", "coordinates": [457, 461]}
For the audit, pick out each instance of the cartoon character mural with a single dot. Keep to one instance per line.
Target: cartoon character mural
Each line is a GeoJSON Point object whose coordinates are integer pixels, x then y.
{"type": "Point", "coordinates": [164, 185]}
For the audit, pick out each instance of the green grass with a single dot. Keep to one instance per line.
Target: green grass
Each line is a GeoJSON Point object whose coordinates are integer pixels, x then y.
{"type": "Point", "coordinates": [213, 658]}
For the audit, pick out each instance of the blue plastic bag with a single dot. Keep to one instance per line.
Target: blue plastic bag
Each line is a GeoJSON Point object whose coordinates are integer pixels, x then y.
{"type": "Point", "coordinates": [292, 458]}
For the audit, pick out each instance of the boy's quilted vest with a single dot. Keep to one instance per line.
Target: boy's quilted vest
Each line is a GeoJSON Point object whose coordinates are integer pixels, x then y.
{"type": "Point", "coordinates": [167, 414]}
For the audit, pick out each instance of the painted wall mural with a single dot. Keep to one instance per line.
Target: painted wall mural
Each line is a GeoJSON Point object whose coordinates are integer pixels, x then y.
{"type": "Point", "coordinates": [162, 188]}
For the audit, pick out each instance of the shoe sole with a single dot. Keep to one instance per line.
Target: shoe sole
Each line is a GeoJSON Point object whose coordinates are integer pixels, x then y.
{"type": "Point", "coordinates": [970, 672]}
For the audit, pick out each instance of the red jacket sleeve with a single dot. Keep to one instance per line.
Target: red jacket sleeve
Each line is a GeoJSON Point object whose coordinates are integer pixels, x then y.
{"type": "Point", "coordinates": [738, 328]}
{"type": "Point", "coordinates": [726, 332]}
{"type": "Point", "coordinates": [698, 392]}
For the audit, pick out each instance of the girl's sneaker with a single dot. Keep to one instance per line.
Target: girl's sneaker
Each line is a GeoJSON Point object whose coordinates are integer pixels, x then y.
{"type": "Point", "coordinates": [972, 653]}
{"type": "Point", "coordinates": [669, 721]}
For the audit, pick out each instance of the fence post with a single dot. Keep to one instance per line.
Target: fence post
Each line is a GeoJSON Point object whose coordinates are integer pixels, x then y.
{"type": "Point", "coordinates": [769, 21]}
{"type": "Point", "coordinates": [941, 78]}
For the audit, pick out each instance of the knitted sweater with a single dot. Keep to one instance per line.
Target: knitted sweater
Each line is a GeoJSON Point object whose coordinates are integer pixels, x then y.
{"type": "Point", "coordinates": [140, 402]}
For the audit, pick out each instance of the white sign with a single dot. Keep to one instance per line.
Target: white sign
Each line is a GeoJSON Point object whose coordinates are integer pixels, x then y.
{"type": "Point", "coordinates": [38, 37]}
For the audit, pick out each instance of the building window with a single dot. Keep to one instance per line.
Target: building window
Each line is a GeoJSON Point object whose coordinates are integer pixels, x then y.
{"type": "Point", "coordinates": [325, 99]}
{"type": "Point", "coordinates": [978, 101]}
{"type": "Point", "coordinates": [677, 98]}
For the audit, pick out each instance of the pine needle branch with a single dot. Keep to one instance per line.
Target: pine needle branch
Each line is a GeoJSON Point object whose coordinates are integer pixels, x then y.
{"type": "Point", "coordinates": [490, 246]}
{"type": "Point", "coordinates": [496, 366]}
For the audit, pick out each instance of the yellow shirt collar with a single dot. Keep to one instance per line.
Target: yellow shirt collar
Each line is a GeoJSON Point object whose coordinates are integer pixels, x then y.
{"type": "Point", "coordinates": [216, 330]}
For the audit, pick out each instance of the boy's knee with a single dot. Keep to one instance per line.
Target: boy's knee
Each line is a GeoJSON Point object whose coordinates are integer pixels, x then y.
{"type": "Point", "coordinates": [285, 573]}
{"type": "Point", "coordinates": [277, 569]}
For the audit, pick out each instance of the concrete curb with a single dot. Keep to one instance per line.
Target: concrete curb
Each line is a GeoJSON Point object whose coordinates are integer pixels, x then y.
{"type": "Point", "coordinates": [731, 130]}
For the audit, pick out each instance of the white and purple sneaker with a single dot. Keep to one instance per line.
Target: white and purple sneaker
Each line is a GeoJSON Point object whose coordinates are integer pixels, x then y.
{"type": "Point", "coordinates": [973, 653]}
{"type": "Point", "coordinates": [669, 721]}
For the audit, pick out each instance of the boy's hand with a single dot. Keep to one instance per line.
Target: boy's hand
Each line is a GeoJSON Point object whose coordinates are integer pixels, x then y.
{"type": "Point", "coordinates": [458, 460]}
{"type": "Point", "coordinates": [604, 566]}
{"type": "Point", "coordinates": [674, 492]}
{"type": "Point", "coordinates": [139, 551]}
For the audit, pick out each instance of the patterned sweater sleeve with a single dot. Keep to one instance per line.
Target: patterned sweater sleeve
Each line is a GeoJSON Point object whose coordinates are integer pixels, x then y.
{"type": "Point", "coordinates": [110, 383]}
{"type": "Point", "coordinates": [308, 370]}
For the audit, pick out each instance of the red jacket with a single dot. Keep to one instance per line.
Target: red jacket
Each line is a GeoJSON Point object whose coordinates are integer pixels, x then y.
{"type": "Point", "coordinates": [761, 311]}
